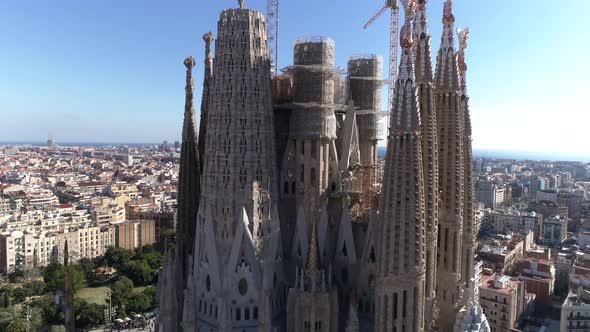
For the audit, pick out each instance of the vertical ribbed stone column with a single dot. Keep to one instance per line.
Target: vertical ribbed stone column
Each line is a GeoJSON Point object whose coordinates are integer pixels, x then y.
{"type": "Point", "coordinates": [188, 191]}
{"type": "Point", "coordinates": [401, 236]}
{"type": "Point", "coordinates": [430, 168]}
{"type": "Point", "coordinates": [451, 122]}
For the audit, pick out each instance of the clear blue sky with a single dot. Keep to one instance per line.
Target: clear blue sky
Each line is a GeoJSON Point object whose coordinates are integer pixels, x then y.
{"type": "Point", "coordinates": [111, 70]}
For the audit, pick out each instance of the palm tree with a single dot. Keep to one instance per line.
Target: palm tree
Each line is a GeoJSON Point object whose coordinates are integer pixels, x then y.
{"type": "Point", "coordinates": [11, 320]}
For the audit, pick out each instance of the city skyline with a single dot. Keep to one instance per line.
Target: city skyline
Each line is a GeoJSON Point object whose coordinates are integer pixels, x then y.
{"type": "Point", "coordinates": [97, 73]}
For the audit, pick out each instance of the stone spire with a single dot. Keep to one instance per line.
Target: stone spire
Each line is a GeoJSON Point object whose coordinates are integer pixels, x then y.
{"type": "Point", "coordinates": [446, 72]}
{"type": "Point", "coordinates": [401, 235]}
{"type": "Point", "coordinates": [188, 190]}
{"type": "Point", "coordinates": [239, 172]}
{"type": "Point", "coordinates": [469, 212]}
{"type": "Point", "coordinates": [406, 119]}
{"type": "Point", "coordinates": [451, 122]}
{"type": "Point", "coordinates": [422, 39]}
{"type": "Point", "coordinates": [312, 259]}
{"type": "Point", "coordinates": [208, 39]}
{"type": "Point", "coordinates": [429, 132]}
{"type": "Point", "coordinates": [406, 64]}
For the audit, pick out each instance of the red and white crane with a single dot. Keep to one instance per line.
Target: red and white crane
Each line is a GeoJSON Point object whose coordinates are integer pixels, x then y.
{"type": "Point", "coordinates": [393, 43]}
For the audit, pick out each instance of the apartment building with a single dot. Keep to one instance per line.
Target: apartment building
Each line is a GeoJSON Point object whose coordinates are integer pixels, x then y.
{"type": "Point", "coordinates": [122, 188]}
{"type": "Point", "coordinates": [41, 198]}
{"type": "Point", "coordinates": [5, 204]}
{"type": "Point", "coordinates": [502, 300]}
{"type": "Point", "coordinates": [109, 214]}
{"type": "Point", "coordinates": [94, 241]}
{"type": "Point", "coordinates": [133, 234]}
{"type": "Point", "coordinates": [512, 221]}
{"type": "Point", "coordinates": [575, 312]}
{"type": "Point", "coordinates": [539, 278]}
{"type": "Point", "coordinates": [554, 230]}
{"type": "Point", "coordinates": [12, 249]}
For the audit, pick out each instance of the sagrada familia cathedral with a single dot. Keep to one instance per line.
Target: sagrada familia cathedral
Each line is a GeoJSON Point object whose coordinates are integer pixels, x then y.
{"type": "Point", "coordinates": [286, 221]}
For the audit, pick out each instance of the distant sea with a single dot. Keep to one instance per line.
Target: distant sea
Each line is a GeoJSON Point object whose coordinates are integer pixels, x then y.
{"type": "Point", "coordinates": [83, 144]}
{"type": "Point", "coordinates": [381, 150]}
{"type": "Point", "coordinates": [517, 155]}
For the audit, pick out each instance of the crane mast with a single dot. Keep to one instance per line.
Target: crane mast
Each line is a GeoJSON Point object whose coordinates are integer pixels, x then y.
{"type": "Point", "coordinates": [393, 44]}
{"type": "Point", "coordinates": [272, 33]}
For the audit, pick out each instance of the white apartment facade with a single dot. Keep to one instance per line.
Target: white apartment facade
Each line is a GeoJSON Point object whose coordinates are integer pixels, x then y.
{"type": "Point", "coordinates": [554, 230]}
{"type": "Point", "coordinates": [575, 312]}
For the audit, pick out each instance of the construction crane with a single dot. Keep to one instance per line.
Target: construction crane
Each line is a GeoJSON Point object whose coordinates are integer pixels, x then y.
{"type": "Point", "coordinates": [272, 33]}
{"type": "Point", "coordinates": [393, 43]}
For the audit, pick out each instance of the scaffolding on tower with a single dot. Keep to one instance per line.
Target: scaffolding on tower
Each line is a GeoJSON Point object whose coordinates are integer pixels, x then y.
{"type": "Point", "coordinates": [361, 181]}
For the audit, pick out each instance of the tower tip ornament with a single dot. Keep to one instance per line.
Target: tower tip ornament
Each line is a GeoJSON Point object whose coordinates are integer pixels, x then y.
{"type": "Point", "coordinates": [406, 42]}
{"type": "Point", "coordinates": [421, 19]}
{"type": "Point", "coordinates": [448, 21]}
{"type": "Point", "coordinates": [208, 38]}
{"type": "Point", "coordinates": [189, 62]}
{"type": "Point", "coordinates": [463, 35]}
{"type": "Point", "coordinates": [242, 4]}
{"type": "Point", "coordinates": [409, 7]}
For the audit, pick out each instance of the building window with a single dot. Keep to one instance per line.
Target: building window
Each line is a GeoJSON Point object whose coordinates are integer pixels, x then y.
{"type": "Point", "coordinates": [302, 179]}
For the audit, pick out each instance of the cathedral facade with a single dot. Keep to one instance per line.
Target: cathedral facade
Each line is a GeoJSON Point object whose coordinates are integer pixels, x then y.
{"type": "Point", "coordinates": [288, 222]}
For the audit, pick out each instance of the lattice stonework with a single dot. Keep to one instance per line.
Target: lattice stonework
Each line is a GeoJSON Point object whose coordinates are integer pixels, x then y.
{"type": "Point", "coordinates": [239, 156]}
{"type": "Point", "coordinates": [238, 179]}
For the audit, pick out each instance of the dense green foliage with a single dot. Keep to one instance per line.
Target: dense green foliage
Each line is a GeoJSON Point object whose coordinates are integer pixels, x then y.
{"type": "Point", "coordinates": [14, 320]}
{"type": "Point", "coordinates": [141, 265]}
{"type": "Point", "coordinates": [54, 276]}
{"type": "Point", "coordinates": [134, 267]}
{"type": "Point", "coordinates": [89, 314]}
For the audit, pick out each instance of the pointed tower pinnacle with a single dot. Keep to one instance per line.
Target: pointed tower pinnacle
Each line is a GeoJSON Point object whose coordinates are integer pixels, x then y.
{"type": "Point", "coordinates": [422, 39]}
{"type": "Point", "coordinates": [429, 133]}
{"type": "Point", "coordinates": [208, 39]}
{"type": "Point", "coordinates": [188, 129]}
{"type": "Point", "coordinates": [313, 268]}
{"type": "Point", "coordinates": [469, 210]}
{"type": "Point", "coordinates": [446, 71]}
{"type": "Point", "coordinates": [401, 239]}
{"type": "Point", "coordinates": [406, 119]}
{"type": "Point", "coordinates": [451, 122]}
{"type": "Point", "coordinates": [188, 191]}
{"type": "Point", "coordinates": [406, 65]}
{"type": "Point", "coordinates": [448, 22]}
